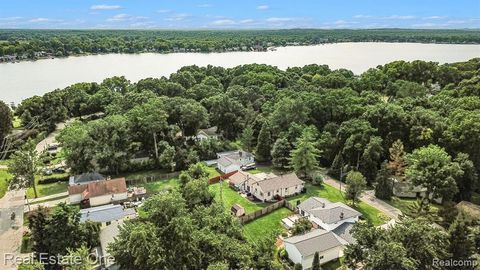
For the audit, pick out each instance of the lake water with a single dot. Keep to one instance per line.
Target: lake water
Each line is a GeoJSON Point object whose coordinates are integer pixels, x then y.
{"type": "Point", "coordinates": [21, 80]}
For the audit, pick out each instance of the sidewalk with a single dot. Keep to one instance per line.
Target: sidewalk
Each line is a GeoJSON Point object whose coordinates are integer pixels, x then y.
{"type": "Point", "coordinates": [367, 197]}
{"type": "Point", "coordinates": [47, 204]}
{"type": "Point", "coordinates": [11, 232]}
{"type": "Point", "coordinates": [49, 198]}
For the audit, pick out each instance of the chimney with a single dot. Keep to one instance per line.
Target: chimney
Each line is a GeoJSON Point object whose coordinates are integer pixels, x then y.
{"type": "Point", "coordinates": [341, 215]}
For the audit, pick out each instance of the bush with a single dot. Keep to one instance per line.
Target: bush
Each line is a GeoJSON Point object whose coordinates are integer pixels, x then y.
{"type": "Point", "coordinates": [317, 179]}
{"type": "Point", "coordinates": [52, 180]}
{"type": "Point", "coordinates": [298, 267]}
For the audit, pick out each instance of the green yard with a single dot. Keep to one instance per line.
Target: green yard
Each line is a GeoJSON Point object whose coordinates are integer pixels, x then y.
{"type": "Point", "coordinates": [403, 204]}
{"type": "Point", "coordinates": [212, 172]}
{"type": "Point", "coordinates": [4, 180]}
{"type": "Point", "coordinates": [231, 197]}
{"type": "Point", "coordinates": [48, 189]}
{"type": "Point", "coordinates": [334, 195]}
{"type": "Point", "coordinates": [157, 186]}
{"type": "Point", "coordinates": [266, 225]}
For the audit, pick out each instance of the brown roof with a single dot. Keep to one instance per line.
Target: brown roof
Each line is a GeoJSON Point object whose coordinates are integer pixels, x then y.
{"type": "Point", "coordinates": [240, 177]}
{"type": "Point", "coordinates": [99, 188]}
{"type": "Point", "coordinates": [283, 181]}
{"type": "Point", "coordinates": [236, 207]}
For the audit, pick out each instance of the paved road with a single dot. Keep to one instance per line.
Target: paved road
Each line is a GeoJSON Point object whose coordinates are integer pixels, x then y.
{"type": "Point", "coordinates": [42, 146]}
{"type": "Point", "coordinates": [368, 197]}
{"type": "Point", "coordinates": [11, 232]}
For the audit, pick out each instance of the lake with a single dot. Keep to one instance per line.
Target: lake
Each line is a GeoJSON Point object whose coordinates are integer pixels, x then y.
{"type": "Point", "coordinates": [25, 79]}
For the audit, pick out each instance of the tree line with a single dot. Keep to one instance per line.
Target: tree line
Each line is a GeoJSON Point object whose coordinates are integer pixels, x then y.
{"type": "Point", "coordinates": [33, 44]}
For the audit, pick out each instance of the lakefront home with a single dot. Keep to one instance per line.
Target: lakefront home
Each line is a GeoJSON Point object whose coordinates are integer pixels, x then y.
{"type": "Point", "coordinates": [233, 160]}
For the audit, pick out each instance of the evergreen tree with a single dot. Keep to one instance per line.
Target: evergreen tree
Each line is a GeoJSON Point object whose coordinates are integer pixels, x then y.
{"type": "Point", "coordinates": [247, 138]}
{"type": "Point", "coordinates": [460, 243]}
{"type": "Point", "coordinates": [397, 159]}
{"type": "Point", "coordinates": [304, 158]}
{"type": "Point", "coordinates": [264, 143]}
{"type": "Point", "coordinates": [316, 261]}
{"type": "Point", "coordinates": [281, 153]}
{"type": "Point", "coordinates": [384, 183]}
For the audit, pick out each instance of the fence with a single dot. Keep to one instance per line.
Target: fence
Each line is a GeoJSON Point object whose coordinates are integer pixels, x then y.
{"type": "Point", "coordinates": [249, 217]}
{"type": "Point", "coordinates": [217, 179]}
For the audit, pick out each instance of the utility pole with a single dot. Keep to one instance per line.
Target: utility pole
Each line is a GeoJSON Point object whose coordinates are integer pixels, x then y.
{"type": "Point", "coordinates": [155, 142]}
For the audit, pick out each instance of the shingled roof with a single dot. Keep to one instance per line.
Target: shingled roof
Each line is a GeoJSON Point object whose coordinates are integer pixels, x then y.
{"type": "Point", "coordinates": [99, 188]}
{"type": "Point", "coordinates": [282, 181]}
{"type": "Point", "coordinates": [327, 211]}
{"type": "Point", "coordinates": [315, 241]}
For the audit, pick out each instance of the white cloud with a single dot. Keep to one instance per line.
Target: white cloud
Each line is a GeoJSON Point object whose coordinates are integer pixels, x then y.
{"type": "Point", "coordinates": [279, 19]}
{"type": "Point", "coordinates": [105, 7]}
{"type": "Point", "coordinates": [204, 5]}
{"type": "Point", "coordinates": [11, 18]}
{"type": "Point", "coordinates": [43, 20]}
{"type": "Point", "coordinates": [177, 17]}
{"type": "Point", "coordinates": [399, 17]}
{"type": "Point", "coordinates": [163, 11]}
{"type": "Point", "coordinates": [223, 22]}
{"type": "Point", "coordinates": [360, 16]}
{"type": "Point", "coordinates": [247, 21]}
{"type": "Point", "coordinates": [125, 17]}
{"type": "Point", "coordinates": [263, 7]}
{"type": "Point", "coordinates": [434, 17]}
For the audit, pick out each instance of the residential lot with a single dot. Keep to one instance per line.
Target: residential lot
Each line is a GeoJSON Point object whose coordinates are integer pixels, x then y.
{"type": "Point", "coordinates": [231, 197]}
{"type": "Point", "coordinates": [267, 225]}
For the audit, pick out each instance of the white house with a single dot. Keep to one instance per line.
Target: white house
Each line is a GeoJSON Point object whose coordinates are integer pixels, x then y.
{"type": "Point", "coordinates": [301, 248]}
{"type": "Point", "coordinates": [99, 192]}
{"type": "Point", "coordinates": [266, 186]}
{"type": "Point", "coordinates": [208, 133]}
{"type": "Point", "coordinates": [327, 215]}
{"type": "Point", "coordinates": [233, 160]}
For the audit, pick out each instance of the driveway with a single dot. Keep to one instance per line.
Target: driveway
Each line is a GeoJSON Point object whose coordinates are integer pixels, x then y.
{"type": "Point", "coordinates": [367, 197]}
{"type": "Point", "coordinates": [11, 232]}
{"type": "Point", "coordinates": [50, 139]}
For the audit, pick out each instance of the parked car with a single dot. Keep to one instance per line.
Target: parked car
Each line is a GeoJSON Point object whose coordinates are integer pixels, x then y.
{"type": "Point", "coordinates": [58, 170]}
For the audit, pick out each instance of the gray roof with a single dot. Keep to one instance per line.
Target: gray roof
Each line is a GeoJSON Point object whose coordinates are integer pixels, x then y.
{"type": "Point", "coordinates": [282, 181]}
{"type": "Point", "coordinates": [315, 241]}
{"type": "Point", "coordinates": [85, 178]}
{"type": "Point", "coordinates": [344, 232]}
{"type": "Point", "coordinates": [326, 211]}
{"type": "Point", "coordinates": [211, 131]}
{"type": "Point", "coordinates": [105, 213]}
{"type": "Point", "coordinates": [232, 157]}
{"type": "Point", "coordinates": [224, 161]}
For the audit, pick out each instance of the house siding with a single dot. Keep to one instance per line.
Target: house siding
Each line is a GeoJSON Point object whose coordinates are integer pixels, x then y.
{"type": "Point", "coordinates": [328, 255]}
{"type": "Point", "coordinates": [106, 199]}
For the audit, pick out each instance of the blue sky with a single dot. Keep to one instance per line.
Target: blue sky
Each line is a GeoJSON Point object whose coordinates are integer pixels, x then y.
{"type": "Point", "coordinates": [243, 14]}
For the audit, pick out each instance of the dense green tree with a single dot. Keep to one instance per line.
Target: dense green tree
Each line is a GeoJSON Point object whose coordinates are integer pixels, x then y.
{"type": "Point", "coordinates": [316, 261]}
{"type": "Point", "coordinates": [431, 167]}
{"type": "Point", "coordinates": [467, 181]}
{"type": "Point", "coordinates": [247, 138]}
{"type": "Point", "coordinates": [461, 246]}
{"type": "Point", "coordinates": [356, 184]}
{"type": "Point", "coordinates": [304, 157]}
{"type": "Point", "coordinates": [301, 226]}
{"type": "Point", "coordinates": [384, 183]}
{"type": "Point", "coordinates": [24, 165]}
{"type": "Point", "coordinates": [264, 142]}
{"type": "Point", "coordinates": [5, 120]}
{"type": "Point", "coordinates": [281, 153]}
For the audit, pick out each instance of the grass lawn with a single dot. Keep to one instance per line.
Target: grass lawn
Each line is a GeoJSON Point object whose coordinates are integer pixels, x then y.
{"type": "Point", "coordinates": [157, 186]}
{"type": "Point", "coordinates": [212, 172]}
{"type": "Point", "coordinates": [143, 174]}
{"type": "Point", "coordinates": [17, 122]}
{"type": "Point", "coordinates": [266, 225]}
{"type": "Point", "coordinates": [231, 197]}
{"type": "Point", "coordinates": [333, 265]}
{"type": "Point", "coordinates": [334, 195]}
{"type": "Point", "coordinates": [48, 189]}
{"type": "Point", "coordinates": [4, 180]}
{"type": "Point", "coordinates": [404, 204]}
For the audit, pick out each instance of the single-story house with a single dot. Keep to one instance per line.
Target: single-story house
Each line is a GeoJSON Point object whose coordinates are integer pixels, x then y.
{"type": "Point", "coordinates": [405, 189]}
{"type": "Point", "coordinates": [99, 192]}
{"type": "Point", "coordinates": [105, 214]}
{"type": "Point", "coordinates": [327, 215]}
{"type": "Point", "coordinates": [265, 186]}
{"type": "Point", "coordinates": [237, 210]}
{"type": "Point", "coordinates": [207, 133]}
{"type": "Point", "coordinates": [233, 160]}
{"type": "Point", "coordinates": [266, 189]}
{"type": "Point", "coordinates": [301, 248]}
{"type": "Point", "coordinates": [85, 178]}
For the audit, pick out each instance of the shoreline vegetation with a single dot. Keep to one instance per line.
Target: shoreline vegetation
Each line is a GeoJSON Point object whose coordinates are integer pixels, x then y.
{"type": "Point", "coordinates": [31, 45]}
